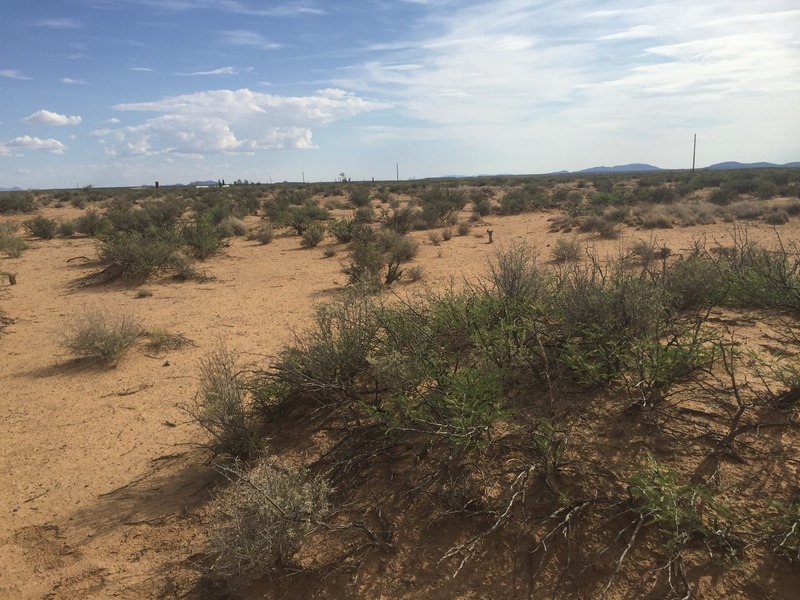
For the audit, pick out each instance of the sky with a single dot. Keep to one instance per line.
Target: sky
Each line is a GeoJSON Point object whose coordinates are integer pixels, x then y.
{"type": "Point", "coordinates": [129, 92]}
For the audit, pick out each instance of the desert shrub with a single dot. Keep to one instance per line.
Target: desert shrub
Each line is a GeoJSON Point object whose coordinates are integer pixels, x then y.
{"type": "Point", "coordinates": [329, 251]}
{"type": "Point", "coordinates": [776, 217]}
{"type": "Point", "coordinates": [516, 201]}
{"type": "Point", "coordinates": [313, 235]}
{"type": "Point", "coordinates": [182, 267]}
{"type": "Point", "coordinates": [482, 207]}
{"type": "Point", "coordinates": [68, 228]}
{"type": "Point", "coordinates": [601, 312]}
{"type": "Point", "coordinates": [447, 234]}
{"type": "Point", "coordinates": [300, 218]}
{"type": "Point", "coordinates": [722, 196]}
{"type": "Point", "coordinates": [232, 226]}
{"type": "Point", "coordinates": [416, 272]}
{"type": "Point", "coordinates": [16, 202]}
{"type": "Point", "coordinates": [515, 275]}
{"type": "Point", "coordinates": [567, 250]}
{"type": "Point", "coordinates": [343, 229]}
{"type": "Point", "coordinates": [401, 220]}
{"type": "Point", "coordinates": [99, 337]}
{"type": "Point", "coordinates": [263, 516]}
{"type": "Point", "coordinates": [359, 196]}
{"type": "Point", "coordinates": [654, 217]}
{"type": "Point", "coordinates": [202, 236]}
{"type": "Point", "coordinates": [328, 362]}
{"type": "Point", "coordinates": [135, 256]}
{"type": "Point", "coordinates": [384, 196]}
{"type": "Point", "coordinates": [760, 277]}
{"type": "Point", "coordinates": [435, 237]}
{"type": "Point", "coordinates": [440, 206]}
{"type": "Point", "coordinates": [10, 243]}
{"type": "Point", "coordinates": [463, 228]}
{"type": "Point", "coordinates": [224, 408]}
{"type": "Point", "coordinates": [684, 512]}
{"type": "Point", "coordinates": [161, 340]}
{"type": "Point", "coordinates": [364, 214]}
{"type": "Point", "coordinates": [659, 194]}
{"type": "Point", "coordinates": [598, 224]}
{"type": "Point", "coordinates": [263, 235]}
{"type": "Point", "coordinates": [41, 227]}
{"type": "Point", "coordinates": [92, 223]}
{"type": "Point", "coordinates": [782, 526]}
{"type": "Point", "coordinates": [748, 211]}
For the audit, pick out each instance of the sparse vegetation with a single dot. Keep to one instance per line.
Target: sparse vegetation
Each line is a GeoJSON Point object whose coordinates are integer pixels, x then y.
{"type": "Point", "coordinates": [103, 338]}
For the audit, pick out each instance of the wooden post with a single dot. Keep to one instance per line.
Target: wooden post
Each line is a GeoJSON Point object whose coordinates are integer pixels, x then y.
{"type": "Point", "coordinates": [490, 232]}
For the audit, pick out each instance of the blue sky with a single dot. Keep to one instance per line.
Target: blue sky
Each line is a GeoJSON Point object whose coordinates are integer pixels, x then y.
{"type": "Point", "coordinates": [127, 92]}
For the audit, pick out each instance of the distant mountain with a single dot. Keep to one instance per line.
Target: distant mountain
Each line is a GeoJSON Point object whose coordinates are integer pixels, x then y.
{"type": "Point", "coordinates": [631, 168]}
{"type": "Point", "coordinates": [13, 189]}
{"type": "Point", "coordinates": [730, 165]}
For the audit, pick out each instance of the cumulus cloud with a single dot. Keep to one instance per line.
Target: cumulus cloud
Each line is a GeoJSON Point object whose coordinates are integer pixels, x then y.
{"type": "Point", "coordinates": [26, 142]}
{"type": "Point", "coordinates": [230, 121]}
{"type": "Point", "coordinates": [46, 117]}
{"type": "Point", "coordinates": [12, 74]}
{"type": "Point", "coordinates": [70, 81]}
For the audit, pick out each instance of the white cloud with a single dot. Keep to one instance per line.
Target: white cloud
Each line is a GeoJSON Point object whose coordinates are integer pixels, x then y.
{"type": "Point", "coordinates": [13, 74]}
{"type": "Point", "coordinates": [114, 121]}
{"type": "Point", "coordinates": [27, 142]}
{"type": "Point", "coordinates": [142, 69]}
{"type": "Point", "coordinates": [220, 71]}
{"type": "Point", "coordinates": [512, 71]}
{"type": "Point", "coordinates": [289, 9]}
{"type": "Point", "coordinates": [63, 23]}
{"type": "Point", "coordinates": [230, 121]}
{"type": "Point", "coordinates": [46, 117]}
{"type": "Point", "coordinates": [247, 38]}
{"type": "Point", "coordinates": [70, 81]}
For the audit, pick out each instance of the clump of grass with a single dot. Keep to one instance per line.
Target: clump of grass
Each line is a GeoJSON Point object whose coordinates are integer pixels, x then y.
{"type": "Point", "coordinates": [415, 273]}
{"type": "Point", "coordinates": [463, 228]}
{"type": "Point", "coordinates": [162, 340]}
{"type": "Point", "coordinates": [68, 228]}
{"type": "Point", "coordinates": [264, 235]}
{"type": "Point", "coordinates": [232, 226]}
{"type": "Point", "coordinates": [97, 336]}
{"type": "Point", "coordinates": [262, 517]}
{"type": "Point", "coordinates": [435, 237]}
{"type": "Point", "coordinates": [776, 217]}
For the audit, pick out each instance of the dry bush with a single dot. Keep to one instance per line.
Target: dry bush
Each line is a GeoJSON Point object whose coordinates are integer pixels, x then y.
{"type": "Point", "coordinates": [567, 250]}
{"type": "Point", "coordinates": [223, 407]}
{"type": "Point", "coordinates": [232, 226]}
{"type": "Point", "coordinates": [99, 337]}
{"type": "Point", "coordinates": [10, 243]}
{"type": "Point", "coordinates": [261, 519]}
{"type": "Point", "coordinates": [654, 217]}
{"type": "Point", "coordinates": [776, 217]}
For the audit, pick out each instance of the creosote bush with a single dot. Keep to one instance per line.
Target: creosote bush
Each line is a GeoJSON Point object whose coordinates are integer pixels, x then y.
{"type": "Point", "coordinates": [10, 243]}
{"type": "Point", "coordinates": [100, 337]}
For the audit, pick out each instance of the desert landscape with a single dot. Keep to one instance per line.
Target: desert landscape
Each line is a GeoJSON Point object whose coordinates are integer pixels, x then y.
{"type": "Point", "coordinates": [501, 387]}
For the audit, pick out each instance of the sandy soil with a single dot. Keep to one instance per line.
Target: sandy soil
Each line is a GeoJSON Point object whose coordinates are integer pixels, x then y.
{"type": "Point", "coordinates": [100, 482]}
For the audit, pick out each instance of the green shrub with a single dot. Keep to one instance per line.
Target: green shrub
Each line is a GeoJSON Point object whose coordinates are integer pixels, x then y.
{"type": "Point", "coordinates": [135, 256]}
{"type": "Point", "coordinates": [68, 228]}
{"type": "Point", "coordinates": [97, 336]}
{"type": "Point", "coordinates": [41, 227]}
{"type": "Point", "coordinates": [344, 229]}
{"type": "Point", "coordinates": [401, 220]}
{"type": "Point", "coordinates": [313, 235]}
{"type": "Point", "coordinates": [263, 516]}
{"type": "Point", "coordinates": [359, 196]}
{"type": "Point", "coordinates": [440, 206]}
{"type": "Point", "coordinates": [202, 236]}
{"type": "Point", "coordinates": [364, 214]}
{"type": "Point", "coordinates": [92, 223]}
{"type": "Point", "coordinates": [16, 202]}
{"type": "Point", "coordinates": [328, 363]}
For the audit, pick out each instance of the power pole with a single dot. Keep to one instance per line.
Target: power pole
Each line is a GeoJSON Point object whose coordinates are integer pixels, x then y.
{"type": "Point", "coordinates": [397, 168]}
{"type": "Point", "coordinates": [694, 152]}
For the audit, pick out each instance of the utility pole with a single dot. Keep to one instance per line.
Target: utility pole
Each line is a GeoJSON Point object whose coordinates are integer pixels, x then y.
{"type": "Point", "coordinates": [397, 168]}
{"type": "Point", "coordinates": [694, 152]}
{"type": "Point", "coordinates": [304, 176]}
